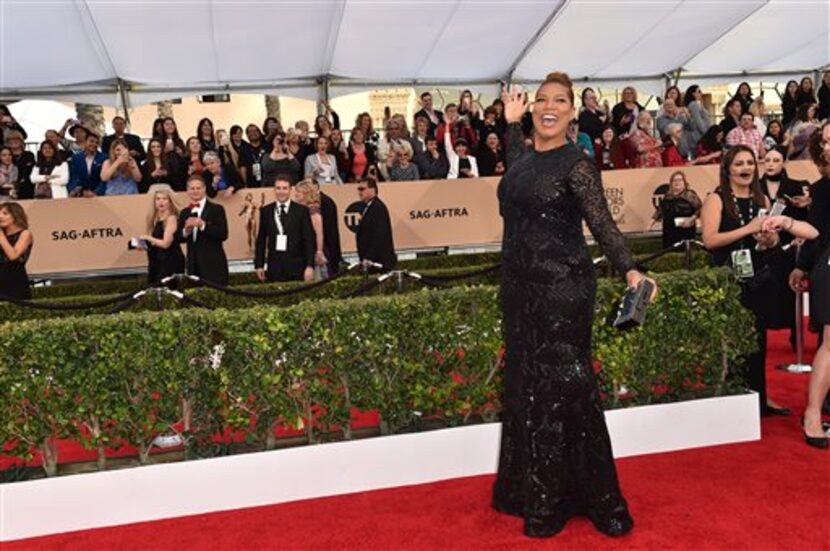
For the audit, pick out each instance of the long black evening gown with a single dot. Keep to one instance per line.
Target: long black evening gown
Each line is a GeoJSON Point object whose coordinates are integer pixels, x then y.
{"type": "Point", "coordinates": [14, 281]}
{"type": "Point", "coordinates": [555, 460]}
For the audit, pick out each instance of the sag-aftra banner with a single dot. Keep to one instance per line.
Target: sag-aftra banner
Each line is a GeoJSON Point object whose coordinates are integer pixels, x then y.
{"type": "Point", "coordinates": [79, 234]}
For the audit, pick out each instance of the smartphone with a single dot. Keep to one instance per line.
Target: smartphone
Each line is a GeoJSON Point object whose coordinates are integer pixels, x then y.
{"type": "Point", "coordinates": [136, 243]}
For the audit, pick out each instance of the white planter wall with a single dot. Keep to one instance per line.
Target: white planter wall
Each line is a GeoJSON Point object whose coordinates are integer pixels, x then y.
{"type": "Point", "coordinates": [78, 502]}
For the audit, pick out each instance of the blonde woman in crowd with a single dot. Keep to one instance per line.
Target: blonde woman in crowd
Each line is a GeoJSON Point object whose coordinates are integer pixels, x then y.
{"type": "Point", "coordinates": [164, 254]}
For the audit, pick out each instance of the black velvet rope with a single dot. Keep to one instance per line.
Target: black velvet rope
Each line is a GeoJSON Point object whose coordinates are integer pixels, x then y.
{"type": "Point", "coordinates": [78, 306]}
{"type": "Point", "coordinates": [271, 294]}
{"type": "Point", "coordinates": [120, 307]}
{"type": "Point", "coordinates": [439, 279]}
{"type": "Point", "coordinates": [364, 288]}
{"type": "Point", "coordinates": [198, 303]}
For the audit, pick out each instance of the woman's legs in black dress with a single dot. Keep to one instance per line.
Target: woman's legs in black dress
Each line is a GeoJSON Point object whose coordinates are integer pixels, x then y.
{"type": "Point", "coordinates": [556, 459]}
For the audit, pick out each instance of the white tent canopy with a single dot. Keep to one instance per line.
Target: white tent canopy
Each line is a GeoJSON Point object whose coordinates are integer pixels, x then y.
{"type": "Point", "coordinates": [128, 51]}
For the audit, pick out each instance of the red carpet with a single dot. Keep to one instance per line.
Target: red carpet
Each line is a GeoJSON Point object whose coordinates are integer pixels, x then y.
{"type": "Point", "coordinates": [772, 494]}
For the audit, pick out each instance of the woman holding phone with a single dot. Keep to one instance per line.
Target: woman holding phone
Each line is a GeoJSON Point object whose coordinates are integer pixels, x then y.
{"type": "Point", "coordinates": [778, 186]}
{"type": "Point", "coordinates": [164, 254]}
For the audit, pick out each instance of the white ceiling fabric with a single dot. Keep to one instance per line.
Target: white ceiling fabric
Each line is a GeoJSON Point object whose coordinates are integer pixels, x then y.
{"type": "Point", "coordinates": [158, 48]}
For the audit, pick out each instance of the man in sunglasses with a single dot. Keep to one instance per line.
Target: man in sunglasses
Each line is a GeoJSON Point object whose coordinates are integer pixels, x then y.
{"type": "Point", "coordinates": [374, 234]}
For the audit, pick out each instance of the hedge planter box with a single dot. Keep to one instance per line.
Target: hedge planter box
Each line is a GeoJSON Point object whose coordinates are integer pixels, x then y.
{"type": "Point", "coordinates": [40, 507]}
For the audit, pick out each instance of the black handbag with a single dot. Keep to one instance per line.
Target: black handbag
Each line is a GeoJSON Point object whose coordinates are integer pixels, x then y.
{"type": "Point", "coordinates": [632, 310]}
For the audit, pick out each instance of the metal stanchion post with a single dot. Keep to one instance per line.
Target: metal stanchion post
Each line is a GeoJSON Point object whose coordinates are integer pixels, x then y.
{"type": "Point", "coordinates": [399, 282]}
{"type": "Point", "coordinates": [159, 303]}
{"type": "Point", "coordinates": [688, 259]}
{"type": "Point", "coordinates": [799, 366]}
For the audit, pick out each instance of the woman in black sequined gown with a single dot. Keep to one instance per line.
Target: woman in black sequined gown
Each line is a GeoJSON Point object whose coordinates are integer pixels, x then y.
{"type": "Point", "coordinates": [555, 460]}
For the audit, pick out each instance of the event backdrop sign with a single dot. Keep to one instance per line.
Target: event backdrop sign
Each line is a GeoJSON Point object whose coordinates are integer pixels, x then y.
{"type": "Point", "coordinates": [80, 235]}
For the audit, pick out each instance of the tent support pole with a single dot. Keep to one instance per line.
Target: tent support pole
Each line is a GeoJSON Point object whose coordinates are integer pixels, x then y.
{"type": "Point", "coordinates": [122, 93]}
{"type": "Point", "coordinates": [535, 38]}
{"type": "Point", "coordinates": [323, 93]}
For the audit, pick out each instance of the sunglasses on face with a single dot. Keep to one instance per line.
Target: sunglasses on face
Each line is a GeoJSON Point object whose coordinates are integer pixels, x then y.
{"type": "Point", "coordinates": [361, 188]}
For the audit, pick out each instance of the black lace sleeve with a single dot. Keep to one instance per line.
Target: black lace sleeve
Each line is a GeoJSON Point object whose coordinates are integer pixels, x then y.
{"type": "Point", "coordinates": [587, 185]}
{"type": "Point", "coordinates": [515, 142]}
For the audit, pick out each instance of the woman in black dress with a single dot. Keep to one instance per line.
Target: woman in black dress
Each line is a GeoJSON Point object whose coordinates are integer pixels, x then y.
{"type": "Point", "coordinates": [490, 156]}
{"type": "Point", "coordinates": [789, 103]}
{"type": "Point", "coordinates": [731, 221]}
{"type": "Point", "coordinates": [164, 254]}
{"type": "Point", "coordinates": [680, 201]}
{"type": "Point", "coordinates": [15, 248]}
{"type": "Point", "coordinates": [556, 460]}
{"type": "Point", "coordinates": [815, 260]}
{"type": "Point", "coordinates": [776, 185]}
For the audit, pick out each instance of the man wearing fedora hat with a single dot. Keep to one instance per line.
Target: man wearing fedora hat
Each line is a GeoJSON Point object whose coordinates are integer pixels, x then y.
{"type": "Point", "coordinates": [24, 161]}
{"type": "Point", "coordinates": [8, 124]}
{"type": "Point", "coordinates": [78, 131]}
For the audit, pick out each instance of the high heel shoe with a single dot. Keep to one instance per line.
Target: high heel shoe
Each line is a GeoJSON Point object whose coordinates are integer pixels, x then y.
{"type": "Point", "coordinates": [820, 442]}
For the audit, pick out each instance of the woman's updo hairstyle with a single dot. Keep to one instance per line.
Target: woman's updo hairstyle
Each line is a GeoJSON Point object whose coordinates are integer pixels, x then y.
{"type": "Point", "coordinates": [563, 80]}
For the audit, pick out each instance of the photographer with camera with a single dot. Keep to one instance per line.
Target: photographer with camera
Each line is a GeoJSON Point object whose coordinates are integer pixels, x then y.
{"type": "Point", "coordinates": [279, 161]}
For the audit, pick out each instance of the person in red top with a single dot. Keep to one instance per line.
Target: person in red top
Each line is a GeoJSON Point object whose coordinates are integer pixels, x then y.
{"type": "Point", "coordinates": [459, 127]}
{"type": "Point", "coordinates": [649, 148]}
{"type": "Point", "coordinates": [361, 155]}
{"type": "Point", "coordinates": [671, 154]}
{"type": "Point", "coordinates": [671, 147]}
{"type": "Point", "coordinates": [710, 147]}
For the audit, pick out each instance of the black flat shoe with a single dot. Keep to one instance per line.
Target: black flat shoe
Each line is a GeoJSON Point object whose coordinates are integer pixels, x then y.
{"type": "Point", "coordinates": [783, 412]}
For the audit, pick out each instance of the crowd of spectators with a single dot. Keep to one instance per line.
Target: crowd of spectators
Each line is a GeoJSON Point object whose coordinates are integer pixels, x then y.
{"type": "Point", "coordinates": [465, 140]}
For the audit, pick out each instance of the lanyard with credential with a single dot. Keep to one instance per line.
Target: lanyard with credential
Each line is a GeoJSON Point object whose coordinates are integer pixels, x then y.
{"type": "Point", "coordinates": [278, 218]}
{"type": "Point", "coordinates": [741, 258]}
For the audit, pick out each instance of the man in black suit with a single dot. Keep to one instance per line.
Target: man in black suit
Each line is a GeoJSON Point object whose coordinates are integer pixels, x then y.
{"type": "Point", "coordinates": [434, 116]}
{"type": "Point", "coordinates": [286, 234]}
{"type": "Point", "coordinates": [119, 127]}
{"type": "Point", "coordinates": [374, 234]}
{"type": "Point", "coordinates": [204, 226]}
{"type": "Point", "coordinates": [331, 233]}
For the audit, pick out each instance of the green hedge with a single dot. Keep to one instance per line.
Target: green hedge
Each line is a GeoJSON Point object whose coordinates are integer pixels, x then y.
{"type": "Point", "coordinates": [109, 380]}
{"type": "Point", "coordinates": [336, 289]}
{"type": "Point", "coordinates": [119, 285]}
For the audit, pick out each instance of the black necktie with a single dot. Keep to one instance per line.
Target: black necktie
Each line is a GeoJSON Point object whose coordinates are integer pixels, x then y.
{"type": "Point", "coordinates": [283, 218]}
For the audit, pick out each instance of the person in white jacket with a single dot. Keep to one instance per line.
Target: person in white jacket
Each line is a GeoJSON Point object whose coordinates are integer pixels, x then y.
{"type": "Point", "coordinates": [47, 169]}
{"type": "Point", "coordinates": [462, 165]}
